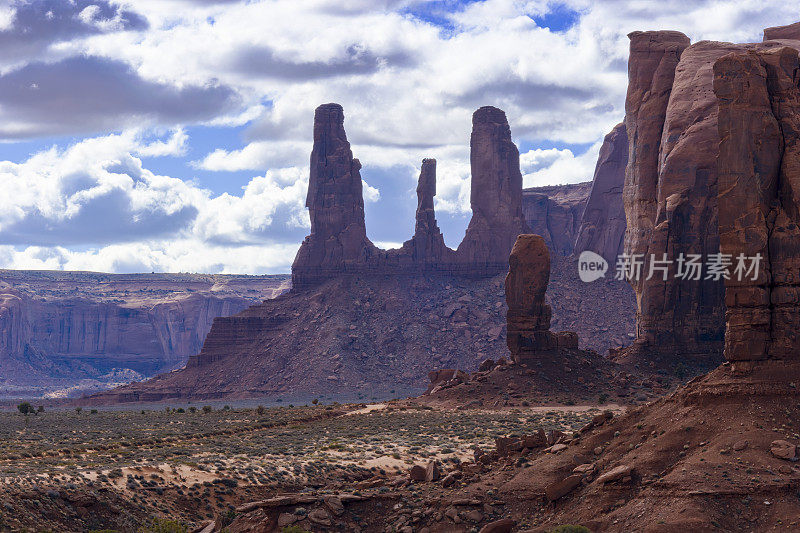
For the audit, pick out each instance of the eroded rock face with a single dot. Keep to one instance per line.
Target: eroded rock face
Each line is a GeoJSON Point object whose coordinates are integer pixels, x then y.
{"type": "Point", "coordinates": [671, 192]}
{"type": "Point", "coordinates": [602, 227]}
{"type": "Point", "coordinates": [528, 316]}
{"type": "Point", "coordinates": [496, 196]}
{"type": "Point", "coordinates": [66, 331]}
{"type": "Point", "coordinates": [338, 239]}
{"type": "Point", "coordinates": [759, 199]}
{"type": "Point", "coordinates": [791, 31]}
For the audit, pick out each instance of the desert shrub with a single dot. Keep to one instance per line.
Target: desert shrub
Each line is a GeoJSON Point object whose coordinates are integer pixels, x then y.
{"type": "Point", "coordinates": [78, 410]}
{"type": "Point", "coordinates": [229, 517]}
{"type": "Point", "coordinates": [93, 411]}
{"type": "Point", "coordinates": [568, 528]}
{"type": "Point", "coordinates": [260, 409]}
{"type": "Point", "coordinates": [294, 529]}
{"type": "Point", "coordinates": [160, 525]}
{"type": "Point", "coordinates": [603, 398]}
{"type": "Point", "coordinates": [40, 409]}
{"type": "Point", "coordinates": [25, 408]}
{"type": "Point", "coordinates": [193, 409]}
{"type": "Point", "coordinates": [181, 410]}
{"type": "Point", "coordinates": [207, 409]}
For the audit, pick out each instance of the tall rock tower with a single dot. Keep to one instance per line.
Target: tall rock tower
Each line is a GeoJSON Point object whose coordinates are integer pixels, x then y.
{"type": "Point", "coordinates": [496, 197]}
{"type": "Point", "coordinates": [338, 238]}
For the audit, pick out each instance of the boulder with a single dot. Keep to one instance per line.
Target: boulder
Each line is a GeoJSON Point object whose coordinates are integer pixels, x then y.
{"type": "Point", "coordinates": [559, 489]}
{"type": "Point", "coordinates": [433, 472]}
{"type": "Point", "coordinates": [783, 449]}
{"type": "Point", "coordinates": [499, 526]}
{"type": "Point", "coordinates": [616, 474]}
{"type": "Point", "coordinates": [417, 473]}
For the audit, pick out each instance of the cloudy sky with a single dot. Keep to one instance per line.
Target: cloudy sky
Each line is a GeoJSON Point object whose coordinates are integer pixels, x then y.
{"type": "Point", "coordinates": [174, 135]}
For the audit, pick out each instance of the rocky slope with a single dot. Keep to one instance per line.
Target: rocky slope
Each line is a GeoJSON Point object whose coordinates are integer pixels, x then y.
{"type": "Point", "coordinates": [719, 454]}
{"type": "Point", "coordinates": [67, 332]}
{"type": "Point", "coordinates": [363, 336]}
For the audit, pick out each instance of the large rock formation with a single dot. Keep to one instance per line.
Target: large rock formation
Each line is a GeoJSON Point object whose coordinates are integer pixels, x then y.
{"type": "Point", "coordinates": [671, 195]}
{"type": "Point", "coordinates": [66, 331]}
{"type": "Point", "coordinates": [759, 201]}
{"type": "Point", "coordinates": [382, 319]}
{"type": "Point", "coordinates": [528, 315]}
{"type": "Point", "coordinates": [602, 226]}
{"type": "Point", "coordinates": [528, 332]}
{"type": "Point", "coordinates": [554, 212]}
{"type": "Point", "coordinates": [496, 196]}
{"type": "Point", "coordinates": [338, 243]}
{"type": "Point", "coordinates": [791, 31]}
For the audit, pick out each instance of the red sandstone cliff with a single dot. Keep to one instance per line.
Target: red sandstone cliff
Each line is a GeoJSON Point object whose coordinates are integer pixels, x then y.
{"type": "Point", "coordinates": [671, 192]}
{"type": "Point", "coordinates": [602, 225]}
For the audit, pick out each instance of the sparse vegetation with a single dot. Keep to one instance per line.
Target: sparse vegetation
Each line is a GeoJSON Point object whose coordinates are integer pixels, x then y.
{"type": "Point", "coordinates": [568, 528]}
{"type": "Point", "coordinates": [160, 525]}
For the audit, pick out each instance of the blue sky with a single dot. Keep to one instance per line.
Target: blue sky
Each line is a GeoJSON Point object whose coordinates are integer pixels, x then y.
{"type": "Point", "coordinates": [174, 135]}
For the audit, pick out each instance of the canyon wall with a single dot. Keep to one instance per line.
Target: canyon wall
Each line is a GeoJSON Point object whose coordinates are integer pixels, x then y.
{"type": "Point", "coordinates": [602, 225]}
{"type": "Point", "coordinates": [555, 212]}
{"type": "Point", "coordinates": [57, 328]}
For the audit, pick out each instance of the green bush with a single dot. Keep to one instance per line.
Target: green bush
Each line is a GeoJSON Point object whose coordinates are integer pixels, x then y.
{"type": "Point", "coordinates": [26, 408]}
{"type": "Point", "coordinates": [207, 409]}
{"type": "Point", "coordinates": [294, 529]}
{"type": "Point", "coordinates": [161, 525]}
{"type": "Point", "coordinates": [568, 528]}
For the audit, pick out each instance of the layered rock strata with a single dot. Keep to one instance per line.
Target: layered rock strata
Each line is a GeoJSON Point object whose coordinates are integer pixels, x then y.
{"type": "Point", "coordinates": [65, 330]}
{"type": "Point", "coordinates": [555, 212]}
{"type": "Point", "coordinates": [759, 201]}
